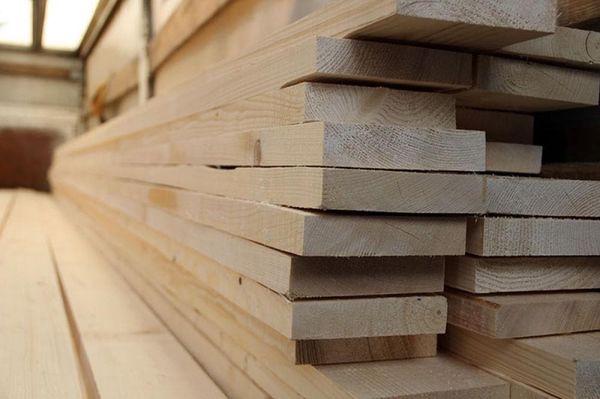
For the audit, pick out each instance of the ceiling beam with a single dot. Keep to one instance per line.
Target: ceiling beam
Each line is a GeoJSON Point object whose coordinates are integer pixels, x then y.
{"type": "Point", "coordinates": [39, 13]}
{"type": "Point", "coordinates": [104, 12]}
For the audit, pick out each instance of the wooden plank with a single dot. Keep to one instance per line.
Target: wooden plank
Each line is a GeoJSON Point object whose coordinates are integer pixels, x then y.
{"type": "Point", "coordinates": [7, 198]}
{"type": "Point", "coordinates": [189, 16]}
{"type": "Point", "coordinates": [578, 12]}
{"type": "Point", "coordinates": [530, 196]}
{"type": "Point", "coordinates": [317, 188]}
{"type": "Point", "coordinates": [36, 339]}
{"type": "Point", "coordinates": [516, 85]}
{"type": "Point", "coordinates": [502, 126]}
{"type": "Point", "coordinates": [565, 365]}
{"type": "Point", "coordinates": [129, 352]}
{"type": "Point", "coordinates": [274, 65]}
{"type": "Point", "coordinates": [304, 277]}
{"type": "Point", "coordinates": [191, 291]}
{"type": "Point", "coordinates": [524, 315]}
{"type": "Point", "coordinates": [297, 231]}
{"type": "Point", "coordinates": [302, 319]}
{"type": "Point", "coordinates": [513, 274]}
{"type": "Point", "coordinates": [315, 382]}
{"type": "Point", "coordinates": [572, 170]}
{"type": "Point", "coordinates": [326, 144]}
{"type": "Point", "coordinates": [571, 47]}
{"type": "Point", "coordinates": [513, 158]}
{"type": "Point", "coordinates": [512, 236]}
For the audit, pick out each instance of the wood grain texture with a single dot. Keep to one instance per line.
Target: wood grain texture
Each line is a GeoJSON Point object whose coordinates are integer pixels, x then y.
{"type": "Point", "coordinates": [303, 319]}
{"type": "Point", "coordinates": [127, 349]}
{"type": "Point", "coordinates": [513, 158]}
{"type": "Point", "coordinates": [296, 231]}
{"type": "Point", "coordinates": [543, 197]}
{"type": "Point", "coordinates": [499, 126]}
{"type": "Point", "coordinates": [512, 236]}
{"type": "Point", "coordinates": [524, 315]}
{"type": "Point", "coordinates": [516, 85]}
{"type": "Point", "coordinates": [312, 58]}
{"type": "Point", "coordinates": [563, 365]}
{"type": "Point", "coordinates": [187, 285]}
{"type": "Point", "coordinates": [37, 356]}
{"type": "Point", "coordinates": [327, 144]}
{"type": "Point", "coordinates": [577, 12]}
{"type": "Point", "coordinates": [514, 274]}
{"type": "Point", "coordinates": [317, 188]}
{"type": "Point", "coordinates": [572, 47]}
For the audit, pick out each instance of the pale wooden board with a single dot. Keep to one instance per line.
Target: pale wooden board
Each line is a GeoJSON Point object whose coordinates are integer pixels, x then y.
{"type": "Point", "coordinates": [7, 198]}
{"type": "Point", "coordinates": [500, 126]}
{"type": "Point", "coordinates": [191, 291]}
{"type": "Point", "coordinates": [514, 274]}
{"type": "Point", "coordinates": [317, 382]}
{"type": "Point", "coordinates": [517, 85]}
{"type": "Point", "coordinates": [532, 196]}
{"type": "Point", "coordinates": [273, 68]}
{"type": "Point", "coordinates": [568, 46]}
{"type": "Point", "coordinates": [326, 144]}
{"type": "Point", "coordinates": [513, 158]}
{"type": "Point", "coordinates": [564, 365]}
{"type": "Point", "coordinates": [530, 236]}
{"type": "Point", "coordinates": [304, 319]}
{"type": "Point", "coordinates": [37, 355]}
{"type": "Point", "coordinates": [523, 314]}
{"type": "Point", "coordinates": [317, 188]}
{"type": "Point", "coordinates": [128, 351]}
{"type": "Point", "coordinates": [292, 230]}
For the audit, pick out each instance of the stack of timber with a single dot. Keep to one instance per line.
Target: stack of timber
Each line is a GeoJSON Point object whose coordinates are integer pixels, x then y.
{"type": "Point", "coordinates": [287, 213]}
{"type": "Point", "coordinates": [524, 303]}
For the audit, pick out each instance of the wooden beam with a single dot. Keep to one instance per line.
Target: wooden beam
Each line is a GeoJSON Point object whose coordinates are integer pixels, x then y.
{"type": "Point", "coordinates": [38, 19]}
{"type": "Point", "coordinates": [118, 337]}
{"type": "Point", "coordinates": [513, 158]}
{"type": "Point", "coordinates": [101, 18]}
{"type": "Point", "coordinates": [578, 12]}
{"type": "Point", "coordinates": [524, 314]}
{"type": "Point", "coordinates": [572, 170]}
{"type": "Point", "coordinates": [514, 274]}
{"type": "Point", "coordinates": [565, 365]}
{"type": "Point", "coordinates": [567, 46]}
{"type": "Point", "coordinates": [292, 230]}
{"type": "Point", "coordinates": [512, 236]}
{"type": "Point", "coordinates": [516, 85]}
{"type": "Point", "coordinates": [317, 188]}
{"type": "Point", "coordinates": [531, 196]}
{"type": "Point", "coordinates": [35, 331]}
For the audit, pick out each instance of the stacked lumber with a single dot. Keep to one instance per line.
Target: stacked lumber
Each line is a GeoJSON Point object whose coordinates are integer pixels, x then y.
{"type": "Point", "coordinates": [524, 303]}
{"type": "Point", "coordinates": [287, 213]}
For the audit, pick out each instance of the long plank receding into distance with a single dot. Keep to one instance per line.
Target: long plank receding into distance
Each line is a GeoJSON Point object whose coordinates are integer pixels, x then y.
{"type": "Point", "coordinates": [128, 351]}
{"type": "Point", "coordinates": [186, 285]}
{"type": "Point", "coordinates": [573, 47]}
{"type": "Point", "coordinates": [567, 366]}
{"type": "Point", "coordinates": [524, 315]}
{"type": "Point", "coordinates": [514, 274]}
{"type": "Point", "coordinates": [411, 315]}
{"type": "Point", "coordinates": [513, 158]}
{"type": "Point", "coordinates": [326, 144]}
{"type": "Point", "coordinates": [297, 231]}
{"type": "Point", "coordinates": [517, 85]}
{"type": "Point", "coordinates": [317, 188]}
{"type": "Point", "coordinates": [37, 355]}
{"type": "Point", "coordinates": [263, 362]}
{"type": "Point", "coordinates": [530, 196]}
{"type": "Point", "coordinates": [523, 236]}
{"type": "Point", "coordinates": [299, 276]}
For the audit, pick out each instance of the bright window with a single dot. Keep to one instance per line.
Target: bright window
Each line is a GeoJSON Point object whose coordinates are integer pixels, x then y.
{"type": "Point", "coordinates": [66, 23]}
{"type": "Point", "coordinates": [16, 22]}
